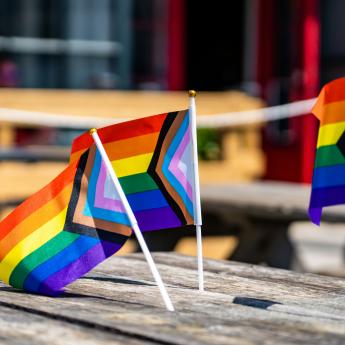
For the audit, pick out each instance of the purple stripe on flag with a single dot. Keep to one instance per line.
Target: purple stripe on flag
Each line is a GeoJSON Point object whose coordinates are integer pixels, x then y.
{"type": "Point", "coordinates": [73, 271]}
{"type": "Point", "coordinates": [321, 197]}
{"type": "Point", "coordinates": [175, 169]}
{"type": "Point", "coordinates": [100, 183]}
{"type": "Point", "coordinates": [315, 215]}
{"type": "Point", "coordinates": [157, 219]}
{"type": "Point", "coordinates": [327, 196]}
{"type": "Point", "coordinates": [100, 200]}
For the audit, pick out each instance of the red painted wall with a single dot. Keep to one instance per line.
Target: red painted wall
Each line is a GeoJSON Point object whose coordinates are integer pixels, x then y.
{"type": "Point", "coordinates": [311, 67]}
{"type": "Point", "coordinates": [292, 161]}
{"type": "Point", "coordinates": [176, 44]}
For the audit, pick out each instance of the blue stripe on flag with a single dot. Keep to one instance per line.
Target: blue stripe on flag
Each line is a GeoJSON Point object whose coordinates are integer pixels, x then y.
{"type": "Point", "coordinates": [147, 200]}
{"type": "Point", "coordinates": [58, 262]}
{"type": "Point", "coordinates": [168, 157]}
{"type": "Point", "coordinates": [96, 212]}
{"type": "Point", "coordinates": [329, 176]}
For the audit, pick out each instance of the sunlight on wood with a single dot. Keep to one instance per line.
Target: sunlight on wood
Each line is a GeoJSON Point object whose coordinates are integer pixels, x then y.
{"type": "Point", "coordinates": [214, 247]}
{"type": "Point", "coordinates": [219, 247]}
{"type": "Point", "coordinates": [128, 248]}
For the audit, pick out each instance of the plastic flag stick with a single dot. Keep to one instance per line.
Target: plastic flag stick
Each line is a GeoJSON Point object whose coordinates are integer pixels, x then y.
{"type": "Point", "coordinates": [196, 189]}
{"type": "Point", "coordinates": [132, 220]}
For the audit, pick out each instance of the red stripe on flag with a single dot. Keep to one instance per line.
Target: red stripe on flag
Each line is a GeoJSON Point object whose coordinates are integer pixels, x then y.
{"type": "Point", "coordinates": [120, 131]}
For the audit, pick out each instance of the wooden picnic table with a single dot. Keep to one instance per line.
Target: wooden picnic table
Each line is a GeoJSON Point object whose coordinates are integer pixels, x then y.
{"type": "Point", "coordinates": [118, 303]}
{"type": "Point", "coordinates": [263, 211]}
{"type": "Point", "coordinates": [276, 200]}
{"type": "Point", "coordinates": [258, 213]}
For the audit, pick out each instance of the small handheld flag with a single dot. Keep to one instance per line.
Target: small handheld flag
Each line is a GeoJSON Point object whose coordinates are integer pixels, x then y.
{"type": "Point", "coordinates": [328, 186]}
{"type": "Point", "coordinates": [77, 221]}
{"type": "Point", "coordinates": [152, 159]}
{"type": "Point", "coordinates": [50, 240]}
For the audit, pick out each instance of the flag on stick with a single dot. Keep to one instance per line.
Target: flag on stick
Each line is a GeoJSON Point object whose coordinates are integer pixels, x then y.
{"type": "Point", "coordinates": [49, 240]}
{"type": "Point", "coordinates": [152, 159]}
{"type": "Point", "coordinates": [77, 221]}
{"type": "Point", "coordinates": [328, 186]}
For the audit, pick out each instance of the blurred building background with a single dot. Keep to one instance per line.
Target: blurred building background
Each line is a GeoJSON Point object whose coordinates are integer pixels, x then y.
{"type": "Point", "coordinates": [263, 46]}
{"type": "Point", "coordinates": [280, 51]}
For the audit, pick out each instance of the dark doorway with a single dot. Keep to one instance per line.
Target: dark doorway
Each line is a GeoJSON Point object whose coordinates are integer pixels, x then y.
{"type": "Point", "coordinates": [214, 44]}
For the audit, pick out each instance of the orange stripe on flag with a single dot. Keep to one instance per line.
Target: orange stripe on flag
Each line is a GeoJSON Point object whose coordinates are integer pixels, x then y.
{"type": "Point", "coordinates": [125, 148]}
{"type": "Point", "coordinates": [37, 200]}
{"type": "Point", "coordinates": [331, 113]}
{"type": "Point", "coordinates": [31, 223]}
{"type": "Point", "coordinates": [330, 94]}
{"type": "Point", "coordinates": [132, 146]}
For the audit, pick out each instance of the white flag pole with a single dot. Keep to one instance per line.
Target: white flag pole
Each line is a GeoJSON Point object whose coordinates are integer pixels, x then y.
{"type": "Point", "coordinates": [196, 189]}
{"type": "Point", "coordinates": [132, 220]}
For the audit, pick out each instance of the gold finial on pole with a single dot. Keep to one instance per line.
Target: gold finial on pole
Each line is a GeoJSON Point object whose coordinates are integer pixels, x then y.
{"type": "Point", "coordinates": [192, 93]}
{"type": "Point", "coordinates": [92, 130]}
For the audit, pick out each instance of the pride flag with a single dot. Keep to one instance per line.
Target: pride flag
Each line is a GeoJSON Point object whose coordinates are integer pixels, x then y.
{"type": "Point", "coordinates": [328, 186]}
{"type": "Point", "coordinates": [77, 221]}
{"type": "Point", "coordinates": [152, 158]}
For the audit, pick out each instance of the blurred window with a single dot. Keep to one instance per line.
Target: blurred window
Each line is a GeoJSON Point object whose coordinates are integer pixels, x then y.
{"type": "Point", "coordinates": [102, 44]}
{"type": "Point", "coordinates": [332, 40]}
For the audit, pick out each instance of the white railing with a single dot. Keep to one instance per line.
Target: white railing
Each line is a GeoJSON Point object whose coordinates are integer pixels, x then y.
{"type": "Point", "coordinates": [231, 119]}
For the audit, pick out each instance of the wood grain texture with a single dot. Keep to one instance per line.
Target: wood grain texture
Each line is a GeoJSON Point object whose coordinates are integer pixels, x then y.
{"type": "Point", "coordinates": [21, 327]}
{"type": "Point", "coordinates": [243, 304]}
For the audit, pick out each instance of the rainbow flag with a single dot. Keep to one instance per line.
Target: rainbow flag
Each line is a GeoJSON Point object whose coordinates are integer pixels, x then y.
{"type": "Point", "coordinates": [40, 252]}
{"type": "Point", "coordinates": [77, 221]}
{"type": "Point", "coordinates": [328, 186]}
{"type": "Point", "coordinates": [152, 159]}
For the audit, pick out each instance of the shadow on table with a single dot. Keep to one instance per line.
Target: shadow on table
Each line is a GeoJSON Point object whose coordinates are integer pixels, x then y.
{"type": "Point", "coordinates": [254, 302]}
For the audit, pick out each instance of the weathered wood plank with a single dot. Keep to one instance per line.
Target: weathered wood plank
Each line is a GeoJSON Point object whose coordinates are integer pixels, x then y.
{"type": "Point", "coordinates": [18, 327]}
{"type": "Point", "coordinates": [309, 294]}
{"type": "Point", "coordinates": [238, 269]}
{"type": "Point", "coordinates": [249, 284]}
{"type": "Point", "coordinates": [240, 326]}
{"type": "Point", "coordinates": [243, 303]}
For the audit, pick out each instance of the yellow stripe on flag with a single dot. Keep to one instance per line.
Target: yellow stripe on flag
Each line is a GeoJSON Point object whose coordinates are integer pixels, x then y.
{"type": "Point", "coordinates": [27, 246]}
{"type": "Point", "coordinates": [132, 165]}
{"type": "Point", "coordinates": [330, 134]}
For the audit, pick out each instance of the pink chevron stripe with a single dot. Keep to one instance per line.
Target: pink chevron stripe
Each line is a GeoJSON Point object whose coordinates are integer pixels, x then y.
{"type": "Point", "coordinates": [174, 165]}
{"type": "Point", "coordinates": [100, 200]}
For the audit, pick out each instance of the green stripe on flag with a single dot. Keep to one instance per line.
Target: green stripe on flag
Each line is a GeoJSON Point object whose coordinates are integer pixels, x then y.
{"type": "Point", "coordinates": [328, 155]}
{"type": "Point", "coordinates": [137, 183]}
{"type": "Point", "coordinates": [39, 256]}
